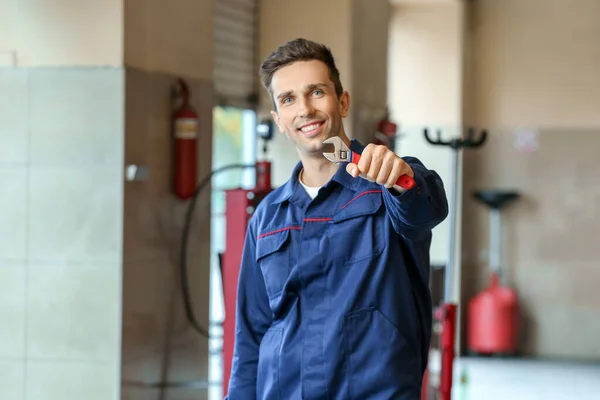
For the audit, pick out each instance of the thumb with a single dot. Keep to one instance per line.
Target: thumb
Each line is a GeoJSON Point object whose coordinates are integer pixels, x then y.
{"type": "Point", "coordinates": [352, 169]}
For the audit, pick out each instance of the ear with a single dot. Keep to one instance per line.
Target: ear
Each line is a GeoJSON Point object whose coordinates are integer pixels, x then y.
{"type": "Point", "coordinates": [344, 104]}
{"type": "Point", "coordinates": [277, 121]}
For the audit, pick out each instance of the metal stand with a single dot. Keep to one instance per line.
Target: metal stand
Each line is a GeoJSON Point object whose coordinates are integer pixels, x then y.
{"type": "Point", "coordinates": [495, 241]}
{"type": "Point", "coordinates": [495, 200]}
{"type": "Point", "coordinates": [448, 310]}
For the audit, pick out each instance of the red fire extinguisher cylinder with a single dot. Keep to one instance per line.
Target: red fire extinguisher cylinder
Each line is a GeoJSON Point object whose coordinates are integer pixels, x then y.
{"type": "Point", "coordinates": [185, 147]}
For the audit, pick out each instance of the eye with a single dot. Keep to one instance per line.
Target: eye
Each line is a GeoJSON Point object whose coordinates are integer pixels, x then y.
{"type": "Point", "coordinates": [318, 92]}
{"type": "Point", "coordinates": [286, 100]}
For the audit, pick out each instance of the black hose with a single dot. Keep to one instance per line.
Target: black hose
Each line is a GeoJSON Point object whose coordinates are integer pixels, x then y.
{"type": "Point", "coordinates": [185, 288]}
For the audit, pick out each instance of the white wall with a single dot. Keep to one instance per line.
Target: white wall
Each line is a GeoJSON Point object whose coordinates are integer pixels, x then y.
{"type": "Point", "coordinates": [157, 36]}
{"type": "Point", "coordinates": [536, 62]}
{"type": "Point", "coordinates": [61, 32]}
{"type": "Point", "coordinates": [425, 88]}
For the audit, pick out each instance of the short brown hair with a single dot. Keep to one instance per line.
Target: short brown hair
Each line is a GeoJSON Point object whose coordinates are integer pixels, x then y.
{"type": "Point", "coordinates": [299, 50]}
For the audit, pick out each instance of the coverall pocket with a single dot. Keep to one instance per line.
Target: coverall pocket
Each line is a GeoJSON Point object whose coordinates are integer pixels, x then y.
{"type": "Point", "coordinates": [267, 374]}
{"type": "Point", "coordinates": [381, 362]}
{"type": "Point", "coordinates": [273, 256]}
{"type": "Point", "coordinates": [357, 233]}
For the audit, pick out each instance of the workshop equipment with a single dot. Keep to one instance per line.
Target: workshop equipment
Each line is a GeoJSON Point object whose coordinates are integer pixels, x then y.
{"type": "Point", "coordinates": [446, 313]}
{"type": "Point", "coordinates": [240, 205]}
{"type": "Point", "coordinates": [341, 153]}
{"type": "Point", "coordinates": [494, 313]}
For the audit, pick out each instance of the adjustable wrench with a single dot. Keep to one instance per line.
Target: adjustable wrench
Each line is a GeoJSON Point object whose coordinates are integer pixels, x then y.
{"type": "Point", "coordinates": [342, 153]}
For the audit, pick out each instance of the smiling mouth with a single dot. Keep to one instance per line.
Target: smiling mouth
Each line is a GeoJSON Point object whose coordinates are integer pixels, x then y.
{"type": "Point", "coordinates": [311, 128]}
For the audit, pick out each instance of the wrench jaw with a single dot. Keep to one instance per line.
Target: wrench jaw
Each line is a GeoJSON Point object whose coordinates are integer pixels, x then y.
{"type": "Point", "coordinates": [336, 142]}
{"type": "Point", "coordinates": [341, 152]}
{"type": "Point", "coordinates": [339, 156]}
{"type": "Point", "coordinates": [331, 157]}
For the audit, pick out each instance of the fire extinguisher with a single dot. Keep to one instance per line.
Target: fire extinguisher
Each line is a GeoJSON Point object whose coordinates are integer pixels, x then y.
{"type": "Point", "coordinates": [185, 133]}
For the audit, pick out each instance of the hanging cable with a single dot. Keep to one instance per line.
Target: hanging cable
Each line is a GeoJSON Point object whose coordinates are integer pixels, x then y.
{"type": "Point", "coordinates": [185, 287]}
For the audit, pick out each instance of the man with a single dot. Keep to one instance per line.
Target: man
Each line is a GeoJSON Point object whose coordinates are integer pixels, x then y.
{"type": "Point", "coordinates": [333, 299]}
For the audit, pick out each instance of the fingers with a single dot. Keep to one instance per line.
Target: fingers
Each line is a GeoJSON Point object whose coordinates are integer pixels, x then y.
{"type": "Point", "coordinates": [352, 169]}
{"type": "Point", "coordinates": [364, 164]}
{"type": "Point", "coordinates": [376, 163]}
{"type": "Point", "coordinates": [379, 164]}
{"type": "Point", "coordinates": [396, 172]}
{"type": "Point", "coordinates": [370, 162]}
{"type": "Point", "coordinates": [385, 170]}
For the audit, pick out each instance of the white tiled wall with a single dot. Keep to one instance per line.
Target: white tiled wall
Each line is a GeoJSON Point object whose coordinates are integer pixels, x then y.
{"type": "Point", "coordinates": [13, 212]}
{"type": "Point", "coordinates": [12, 312]}
{"type": "Point", "coordinates": [74, 215]}
{"type": "Point", "coordinates": [14, 101]}
{"type": "Point", "coordinates": [61, 152]}
{"type": "Point", "coordinates": [76, 118]}
{"type": "Point", "coordinates": [71, 312]}
{"type": "Point", "coordinates": [12, 378]}
{"type": "Point", "coordinates": [49, 380]}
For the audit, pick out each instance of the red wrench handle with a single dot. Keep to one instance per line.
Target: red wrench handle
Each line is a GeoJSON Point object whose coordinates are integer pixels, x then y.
{"type": "Point", "coordinates": [405, 181]}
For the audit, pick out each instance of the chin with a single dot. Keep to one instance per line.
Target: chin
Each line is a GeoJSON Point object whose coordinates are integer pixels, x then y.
{"type": "Point", "coordinates": [311, 146]}
{"type": "Point", "coordinates": [316, 141]}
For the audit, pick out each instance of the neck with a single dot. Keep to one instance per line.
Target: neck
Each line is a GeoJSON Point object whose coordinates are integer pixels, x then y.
{"type": "Point", "coordinates": [317, 172]}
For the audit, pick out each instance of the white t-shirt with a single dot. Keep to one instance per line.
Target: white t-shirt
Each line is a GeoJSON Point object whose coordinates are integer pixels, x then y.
{"type": "Point", "coordinates": [312, 191]}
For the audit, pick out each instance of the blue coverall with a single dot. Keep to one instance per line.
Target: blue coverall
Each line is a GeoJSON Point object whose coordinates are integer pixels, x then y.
{"type": "Point", "coordinates": [333, 296]}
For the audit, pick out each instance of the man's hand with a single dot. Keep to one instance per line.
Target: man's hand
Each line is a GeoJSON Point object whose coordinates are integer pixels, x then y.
{"type": "Point", "coordinates": [379, 164]}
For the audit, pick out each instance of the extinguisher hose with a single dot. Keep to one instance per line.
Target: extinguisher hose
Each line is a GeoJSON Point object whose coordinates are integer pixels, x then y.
{"type": "Point", "coordinates": [185, 287]}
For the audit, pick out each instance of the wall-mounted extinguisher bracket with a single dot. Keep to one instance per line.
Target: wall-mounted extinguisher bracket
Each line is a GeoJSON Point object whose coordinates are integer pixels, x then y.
{"type": "Point", "coordinates": [185, 136]}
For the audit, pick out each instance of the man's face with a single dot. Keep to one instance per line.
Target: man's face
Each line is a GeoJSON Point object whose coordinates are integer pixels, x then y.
{"type": "Point", "coordinates": [308, 110]}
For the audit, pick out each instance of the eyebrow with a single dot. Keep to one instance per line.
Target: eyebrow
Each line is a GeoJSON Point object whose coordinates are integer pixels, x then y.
{"type": "Point", "coordinates": [317, 86]}
{"type": "Point", "coordinates": [284, 95]}
{"type": "Point", "coordinates": [310, 87]}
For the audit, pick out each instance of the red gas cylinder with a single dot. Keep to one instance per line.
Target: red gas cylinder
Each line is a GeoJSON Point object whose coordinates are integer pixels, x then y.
{"type": "Point", "coordinates": [493, 320]}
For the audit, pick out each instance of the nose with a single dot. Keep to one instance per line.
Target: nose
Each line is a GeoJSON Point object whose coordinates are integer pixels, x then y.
{"type": "Point", "coordinates": [306, 108]}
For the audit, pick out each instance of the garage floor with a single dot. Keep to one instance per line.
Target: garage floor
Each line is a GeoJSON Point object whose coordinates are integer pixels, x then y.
{"type": "Point", "coordinates": [516, 379]}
